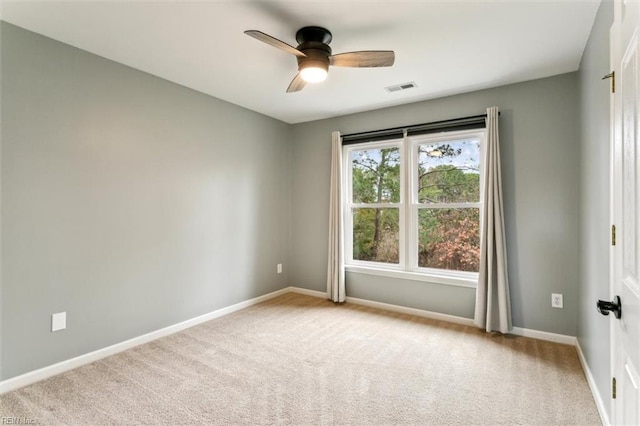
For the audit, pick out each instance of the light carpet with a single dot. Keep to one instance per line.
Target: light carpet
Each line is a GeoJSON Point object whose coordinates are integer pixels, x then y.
{"type": "Point", "coordinates": [302, 360]}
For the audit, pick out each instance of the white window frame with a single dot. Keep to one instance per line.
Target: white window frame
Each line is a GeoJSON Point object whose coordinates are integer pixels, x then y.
{"type": "Point", "coordinates": [408, 268]}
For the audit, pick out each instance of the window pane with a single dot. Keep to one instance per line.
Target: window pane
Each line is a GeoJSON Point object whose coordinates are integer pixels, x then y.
{"type": "Point", "coordinates": [375, 235]}
{"type": "Point", "coordinates": [376, 175]}
{"type": "Point", "coordinates": [449, 172]}
{"type": "Point", "coordinates": [449, 239]}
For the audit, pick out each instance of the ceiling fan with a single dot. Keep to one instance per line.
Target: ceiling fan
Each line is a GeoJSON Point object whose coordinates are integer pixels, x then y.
{"type": "Point", "coordinates": [314, 55]}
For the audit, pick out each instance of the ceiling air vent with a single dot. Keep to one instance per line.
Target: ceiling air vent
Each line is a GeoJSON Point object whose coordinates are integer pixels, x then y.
{"type": "Point", "coordinates": [403, 86]}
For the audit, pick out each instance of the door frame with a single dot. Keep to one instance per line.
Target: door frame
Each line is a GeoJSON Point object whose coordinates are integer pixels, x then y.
{"type": "Point", "coordinates": [613, 55]}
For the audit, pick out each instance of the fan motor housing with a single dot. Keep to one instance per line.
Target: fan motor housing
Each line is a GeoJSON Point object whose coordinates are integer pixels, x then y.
{"type": "Point", "coordinates": [314, 42]}
{"type": "Point", "coordinates": [313, 34]}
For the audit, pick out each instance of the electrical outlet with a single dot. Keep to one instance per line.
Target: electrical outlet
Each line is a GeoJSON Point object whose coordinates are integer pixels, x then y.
{"type": "Point", "coordinates": [556, 300]}
{"type": "Point", "coordinates": [58, 321]}
{"type": "Point", "coordinates": [279, 268]}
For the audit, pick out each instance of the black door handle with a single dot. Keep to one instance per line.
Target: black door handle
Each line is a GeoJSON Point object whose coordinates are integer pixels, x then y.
{"type": "Point", "coordinates": [615, 306]}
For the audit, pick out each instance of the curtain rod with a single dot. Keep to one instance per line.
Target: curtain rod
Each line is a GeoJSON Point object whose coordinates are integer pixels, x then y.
{"type": "Point", "coordinates": [416, 128]}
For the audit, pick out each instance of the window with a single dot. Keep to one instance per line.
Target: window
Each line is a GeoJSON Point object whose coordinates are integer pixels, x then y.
{"type": "Point", "coordinates": [412, 206]}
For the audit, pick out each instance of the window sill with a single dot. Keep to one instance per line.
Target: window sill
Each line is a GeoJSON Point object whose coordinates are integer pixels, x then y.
{"type": "Point", "coordinates": [415, 276]}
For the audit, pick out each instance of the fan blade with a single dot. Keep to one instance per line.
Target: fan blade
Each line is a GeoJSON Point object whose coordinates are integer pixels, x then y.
{"type": "Point", "coordinates": [363, 59]}
{"type": "Point", "coordinates": [297, 84]}
{"type": "Point", "coordinates": [272, 41]}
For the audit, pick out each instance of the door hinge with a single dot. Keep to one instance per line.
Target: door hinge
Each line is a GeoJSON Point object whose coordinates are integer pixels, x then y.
{"type": "Point", "coordinates": [612, 76]}
{"type": "Point", "coordinates": [613, 388]}
{"type": "Point", "coordinates": [613, 235]}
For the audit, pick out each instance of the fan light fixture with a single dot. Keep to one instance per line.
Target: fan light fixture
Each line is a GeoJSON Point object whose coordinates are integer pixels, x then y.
{"type": "Point", "coordinates": [313, 74]}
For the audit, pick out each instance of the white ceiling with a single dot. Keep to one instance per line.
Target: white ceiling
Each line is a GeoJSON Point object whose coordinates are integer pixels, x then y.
{"type": "Point", "coordinates": [445, 47]}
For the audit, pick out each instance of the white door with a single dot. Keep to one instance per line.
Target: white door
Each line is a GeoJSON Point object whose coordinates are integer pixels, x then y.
{"type": "Point", "coordinates": [626, 213]}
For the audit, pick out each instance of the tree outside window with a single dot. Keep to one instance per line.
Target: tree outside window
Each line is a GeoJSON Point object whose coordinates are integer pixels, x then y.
{"type": "Point", "coordinates": [441, 196]}
{"type": "Point", "coordinates": [448, 192]}
{"type": "Point", "coordinates": [376, 182]}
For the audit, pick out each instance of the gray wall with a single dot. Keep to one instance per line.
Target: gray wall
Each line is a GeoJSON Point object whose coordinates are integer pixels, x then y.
{"type": "Point", "coordinates": [593, 328]}
{"type": "Point", "coordinates": [540, 158]}
{"type": "Point", "coordinates": [128, 201]}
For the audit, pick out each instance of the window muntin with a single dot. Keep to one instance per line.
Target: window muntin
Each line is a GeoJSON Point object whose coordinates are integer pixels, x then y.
{"type": "Point", "coordinates": [424, 194]}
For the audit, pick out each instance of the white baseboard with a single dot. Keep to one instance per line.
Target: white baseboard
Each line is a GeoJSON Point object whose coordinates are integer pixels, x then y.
{"type": "Point", "coordinates": [518, 331]}
{"type": "Point", "coordinates": [389, 307]}
{"type": "Point", "coordinates": [604, 417]}
{"type": "Point", "coordinates": [52, 370]}
{"type": "Point", "coordinates": [544, 335]}
{"type": "Point", "coordinates": [411, 311]}
{"type": "Point", "coordinates": [307, 292]}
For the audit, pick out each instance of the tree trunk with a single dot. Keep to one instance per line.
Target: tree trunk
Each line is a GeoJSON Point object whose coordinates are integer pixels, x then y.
{"type": "Point", "coordinates": [376, 222]}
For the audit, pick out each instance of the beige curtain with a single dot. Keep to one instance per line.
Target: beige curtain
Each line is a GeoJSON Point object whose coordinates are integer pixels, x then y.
{"type": "Point", "coordinates": [493, 306]}
{"type": "Point", "coordinates": [335, 268]}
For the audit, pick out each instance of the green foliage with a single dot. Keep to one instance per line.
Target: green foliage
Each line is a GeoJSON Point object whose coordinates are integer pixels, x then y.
{"type": "Point", "coordinates": [376, 176]}
{"type": "Point", "coordinates": [447, 238]}
{"type": "Point", "coordinates": [366, 246]}
{"type": "Point", "coordinates": [448, 184]}
{"type": "Point", "coordinates": [376, 179]}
